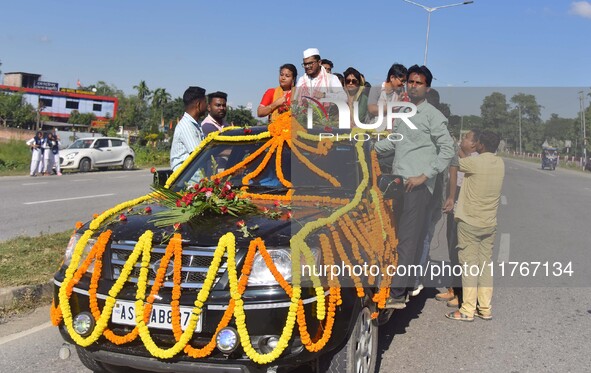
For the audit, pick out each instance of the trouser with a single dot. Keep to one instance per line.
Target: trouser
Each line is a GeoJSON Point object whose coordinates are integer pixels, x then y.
{"type": "Point", "coordinates": [475, 246]}
{"type": "Point", "coordinates": [35, 159]}
{"type": "Point", "coordinates": [47, 161]}
{"type": "Point", "coordinates": [411, 234]}
{"type": "Point", "coordinates": [56, 162]}
{"type": "Point", "coordinates": [432, 216]}
{"type": "Point", "coordinates": [452, 248]}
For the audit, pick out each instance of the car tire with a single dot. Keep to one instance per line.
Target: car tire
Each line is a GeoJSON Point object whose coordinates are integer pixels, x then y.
{"type": "Point", "coordinates": [98, 367]}
{"type": "Point", "coordinates": [128, 163]}
{"type": "Point", "coordinates": [359, 354]}
{"type": "Point", "coordinates": [84, 165]}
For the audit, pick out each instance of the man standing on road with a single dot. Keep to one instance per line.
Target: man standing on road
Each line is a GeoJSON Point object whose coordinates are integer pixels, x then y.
{"type": "Point", "coordinates": [188, 133]}
{"type": "Point", "coordinates": [476, 215]}
{"type": "Point", "coordinates": [217, 112]}
{"type": "Point", "coordinates": [421, 155]}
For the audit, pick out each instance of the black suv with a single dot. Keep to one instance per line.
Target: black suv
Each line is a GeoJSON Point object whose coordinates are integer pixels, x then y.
{"type": "Point", "coordinates": [335, 201]}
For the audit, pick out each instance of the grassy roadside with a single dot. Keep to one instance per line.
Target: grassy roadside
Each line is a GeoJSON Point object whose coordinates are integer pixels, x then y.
{"type": "Point", "coordinates": [15, 158]}
{"type": "Point", "coordinates": [31, 260]}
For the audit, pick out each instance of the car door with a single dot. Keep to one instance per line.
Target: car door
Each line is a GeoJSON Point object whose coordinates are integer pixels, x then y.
{"type": "Point", "coordinates": [118, 151]}
{"type": "Point", "coordinates": [102, 152]}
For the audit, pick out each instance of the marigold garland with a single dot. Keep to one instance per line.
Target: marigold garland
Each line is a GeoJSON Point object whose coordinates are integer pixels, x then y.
{"type": "Point", "coordinates": [279, 133]}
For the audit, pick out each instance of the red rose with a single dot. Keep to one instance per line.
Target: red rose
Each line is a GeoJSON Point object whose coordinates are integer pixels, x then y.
{"type": "Point", "coordinates": [247, 131]}
{"type": "Point", "coordinates": [179, 203]}
{"type": "Point", "coordinates": [276, 203]}
{"type": "Point", "coordinates": [231, 196]}
{"type": "Point", "coordinates": [216, 181]}
{"type": "Point", "coordinates": [122, 217]}
{"type": "Point", "coordinates": [328, 129]}
{"type": "Point", "coordinates": [223, 209]}
{"type": "Point", "coordinates": [288, 215]}
{"type": "Point", "coordinates": [153, 170]}
{"type": "Point", "coordinates": [176, 226]}
{"type": "Point", "coordinates": [265, 210]}
{"type": "Point", "coordinates": [240, 223]}
{"type": "Point", "coordinates": [148, 210]}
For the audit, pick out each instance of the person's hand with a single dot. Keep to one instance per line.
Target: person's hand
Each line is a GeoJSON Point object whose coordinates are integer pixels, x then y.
{"type": "Point", "coordinates": [280, 101]}
{"type": "Point", "coordinates": [319, 94]}
{"type": "Point", "coordinates": [414, 181]}
{"type": "Point", "coordinates": [448, 206]}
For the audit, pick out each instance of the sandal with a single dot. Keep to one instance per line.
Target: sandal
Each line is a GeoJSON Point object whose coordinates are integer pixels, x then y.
{"type": "Point", "coordinates": [483, 317]}
{"type": "Point", "coordinates": [457, 315]}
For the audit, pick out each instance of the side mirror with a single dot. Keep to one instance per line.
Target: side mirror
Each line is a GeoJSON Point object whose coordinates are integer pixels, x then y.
{"type": "Point", "coordinates": [160, 177]}
{"type": "Point", "coordinates": [392, 186]}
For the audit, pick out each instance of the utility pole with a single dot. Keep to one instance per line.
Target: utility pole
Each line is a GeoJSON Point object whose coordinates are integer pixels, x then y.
{"type": "Point", "coordinates": [519, 107]}
{"type": "Point", "coordinates": [583, 125]}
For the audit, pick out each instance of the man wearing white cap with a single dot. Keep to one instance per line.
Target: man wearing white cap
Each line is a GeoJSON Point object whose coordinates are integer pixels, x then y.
{"type": "Point", "coordinates": [317, 82]}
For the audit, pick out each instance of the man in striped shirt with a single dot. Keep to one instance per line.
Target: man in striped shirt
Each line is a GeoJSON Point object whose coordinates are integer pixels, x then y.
{"type": "Point", "coordinates": [188, 133]}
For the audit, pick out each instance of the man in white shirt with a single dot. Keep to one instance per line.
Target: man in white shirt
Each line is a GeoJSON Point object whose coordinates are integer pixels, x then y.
{"type": "Point", "coordinates": [317, 82]}
{"type": "Point", "coordinates": [188, 133]}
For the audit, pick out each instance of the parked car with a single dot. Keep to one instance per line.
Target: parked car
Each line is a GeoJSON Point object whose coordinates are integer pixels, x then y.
{"type": "Point", "coordinates": [97, 152]}
{"type": "Point", "coordinates": [588, 164]}
{"type": "Point", "coordinates": [342, 212]}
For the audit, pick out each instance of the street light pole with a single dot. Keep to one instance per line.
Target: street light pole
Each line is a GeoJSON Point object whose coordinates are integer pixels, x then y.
{"type": "Point", "coordinates": [519, 107]}
{"type": "Point", "coordinates": [584, 125]}
{"type": "Point", "coordinates": [431, 10]}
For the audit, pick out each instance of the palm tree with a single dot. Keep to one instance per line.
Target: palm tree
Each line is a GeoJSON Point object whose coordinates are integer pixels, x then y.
{"type": "Point", "coordinates": [143, 92]}
{"type": "Point", "coordinates": [160, 98]}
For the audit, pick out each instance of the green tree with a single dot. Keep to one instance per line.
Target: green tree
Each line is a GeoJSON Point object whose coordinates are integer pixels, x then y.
{"type": "Point", "coordinates": [143, 92]}
{"type": "Point", "coordinates": [240, 116]}
{"type": "Point", "coordinates": [78, 118]}
{"type": "Point", "coordinates": [15, 112]}
{"type": "Point", "coordinates": [532, 129]}
{"type": "Point", "coordinates": [495, 114]}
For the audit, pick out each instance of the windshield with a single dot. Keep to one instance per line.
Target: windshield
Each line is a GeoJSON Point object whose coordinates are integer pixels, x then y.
{"type": "Point", "coordinates": [340, 162]}
{"type": "Point", "coordinates": [81, 144]}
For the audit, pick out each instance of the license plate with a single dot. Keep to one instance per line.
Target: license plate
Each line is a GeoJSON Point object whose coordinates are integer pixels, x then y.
{"type": "Point", "coordinates": [160, 317]}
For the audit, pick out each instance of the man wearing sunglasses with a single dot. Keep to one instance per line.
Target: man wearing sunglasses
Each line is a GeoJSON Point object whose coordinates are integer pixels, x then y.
{"type": "Point", "coordinates": [317, 82]}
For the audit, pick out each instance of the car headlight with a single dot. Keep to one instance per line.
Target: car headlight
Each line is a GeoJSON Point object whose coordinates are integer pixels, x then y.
{"type": "Point", "coordinates": [260, 274]}
{"type": "Point", "coordinates": [71, 156]}
{"type": "Point", "coordinates": [72, 245]}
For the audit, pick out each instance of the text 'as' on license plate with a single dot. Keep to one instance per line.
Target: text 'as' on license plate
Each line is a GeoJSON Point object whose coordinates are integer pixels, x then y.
{"type": "Point", "coordinates": [160, 317]}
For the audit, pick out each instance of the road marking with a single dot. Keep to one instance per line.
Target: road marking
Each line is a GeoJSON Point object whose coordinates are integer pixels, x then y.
{"type": "Point", "coordinates": [504, 248]}
{"type": "Point", "coordinates": [503, 200]}
{"type": "Point", "coordinates": [24, 333]}
{"type": "Point", "coordinates": [68, 199]}
{"type": "Point", "coordinates": [43, 182]}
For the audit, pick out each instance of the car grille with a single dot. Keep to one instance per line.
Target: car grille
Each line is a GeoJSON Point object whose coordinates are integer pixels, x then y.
{"type": "Point", "coordinates": [195, 264]}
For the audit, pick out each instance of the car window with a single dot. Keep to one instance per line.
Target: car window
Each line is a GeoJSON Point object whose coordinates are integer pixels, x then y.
{"type": "Point", "coordinates": [116, 142]}
{"type": "Point", "coordinates": [101, 143]}
{"type": "Point", "coordinates": [81, 144]}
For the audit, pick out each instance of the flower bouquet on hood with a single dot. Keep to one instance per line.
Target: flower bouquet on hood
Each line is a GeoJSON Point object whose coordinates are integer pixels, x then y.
{"type": "Point", "coordinates": [208, 197]}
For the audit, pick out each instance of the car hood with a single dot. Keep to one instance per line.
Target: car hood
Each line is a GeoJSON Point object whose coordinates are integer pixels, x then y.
{"type": "Point", "coordinates": [206, 231]}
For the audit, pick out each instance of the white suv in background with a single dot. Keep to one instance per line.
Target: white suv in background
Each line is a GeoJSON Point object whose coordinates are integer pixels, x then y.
{"type": "Point", "coordinates": [97, 152]}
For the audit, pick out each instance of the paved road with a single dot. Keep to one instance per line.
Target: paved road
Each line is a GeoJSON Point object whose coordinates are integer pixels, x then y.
{"type": "Point", "coordinates": [48, 204]}
{"type": "Point", "coordinates": [541, 324]}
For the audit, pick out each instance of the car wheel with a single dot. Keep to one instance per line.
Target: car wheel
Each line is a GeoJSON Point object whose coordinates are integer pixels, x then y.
{"type": "Point", "coordinates": [359, 353]}
{"type": "Point", "coordinates": [96, 366]}
{"type": "Point", "coordinates": [128, 163]}
{"type": "Point", "coordinates": [84, 165]}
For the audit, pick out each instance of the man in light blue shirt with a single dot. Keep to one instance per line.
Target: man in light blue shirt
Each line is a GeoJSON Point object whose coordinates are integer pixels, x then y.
{"type": "Point", "coordinates": [188, 133]}
{"type": "Point", "coordinates": [423, 153]}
